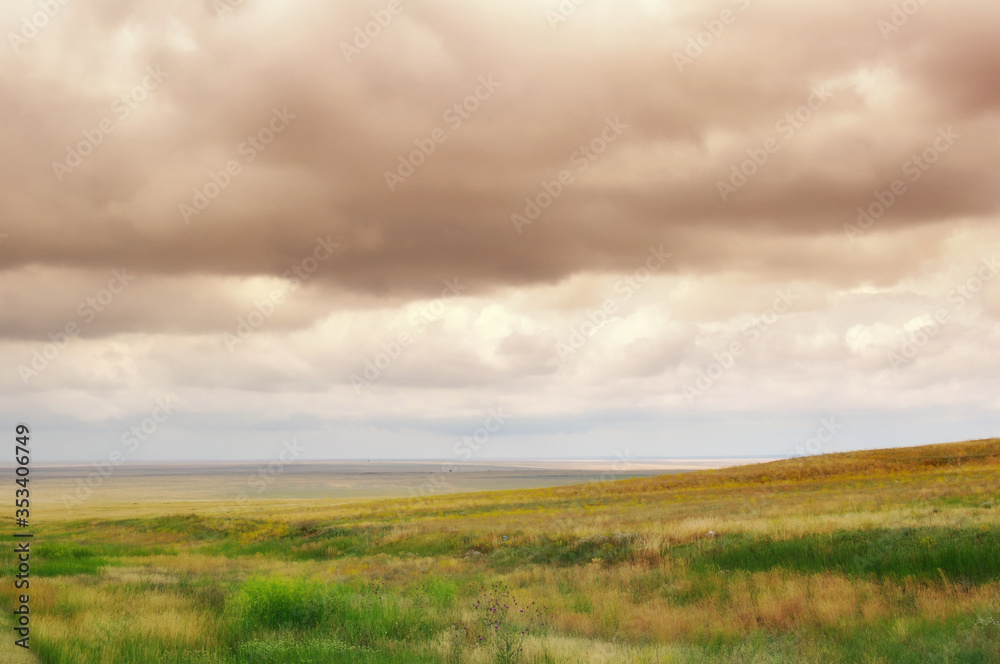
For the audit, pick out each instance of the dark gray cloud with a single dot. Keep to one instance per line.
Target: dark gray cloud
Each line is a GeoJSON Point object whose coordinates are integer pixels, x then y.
{"type": "Point", "coordinates": [324, 174]}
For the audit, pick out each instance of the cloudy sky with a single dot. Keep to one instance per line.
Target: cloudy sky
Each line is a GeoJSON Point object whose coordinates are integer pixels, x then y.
{"type": "Point", "coordinates": [576, 229]}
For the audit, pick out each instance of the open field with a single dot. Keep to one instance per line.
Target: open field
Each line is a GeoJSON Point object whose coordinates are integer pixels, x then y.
{"type": "Point", "coordinates": [866, 557]}
{"type": "Point", "coordinates": [66, 491]}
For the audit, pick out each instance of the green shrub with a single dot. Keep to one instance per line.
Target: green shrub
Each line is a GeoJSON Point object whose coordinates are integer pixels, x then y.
{"type": "Point", "coordinates": [278, 602]}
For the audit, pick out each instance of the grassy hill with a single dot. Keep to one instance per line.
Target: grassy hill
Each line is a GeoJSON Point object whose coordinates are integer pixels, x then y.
{"type": "Point", "coordinates": [878, 556]}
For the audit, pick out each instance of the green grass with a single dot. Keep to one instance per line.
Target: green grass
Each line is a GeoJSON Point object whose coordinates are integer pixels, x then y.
{"type": "Point", "coordinates": [564, 551]}
{"type": "Point", "coordinates": [884, 557]}
{"type": "Point", "coordinates": [970, 555]}
{"type": "Point", "coordinates": [62, 559]}
{"type": "Point", "coordinates": [279, 603]}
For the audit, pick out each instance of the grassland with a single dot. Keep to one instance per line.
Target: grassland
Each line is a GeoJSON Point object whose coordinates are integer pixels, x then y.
{"type": "Point", "coordinates": [867, 557]}
{"type": "Point", "coordinates": [156, 486]}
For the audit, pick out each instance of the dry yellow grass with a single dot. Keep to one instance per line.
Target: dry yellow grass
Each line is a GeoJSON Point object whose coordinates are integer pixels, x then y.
{"type": "Point", "coordinates": [663, 601]}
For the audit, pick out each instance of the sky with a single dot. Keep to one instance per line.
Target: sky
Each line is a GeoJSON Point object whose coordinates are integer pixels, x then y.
{"type": "Point", "coordinates": [472, 230]}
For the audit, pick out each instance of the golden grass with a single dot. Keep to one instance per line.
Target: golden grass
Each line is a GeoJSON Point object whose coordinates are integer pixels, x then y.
{"type": "Point", "coordinates": [650, 607]}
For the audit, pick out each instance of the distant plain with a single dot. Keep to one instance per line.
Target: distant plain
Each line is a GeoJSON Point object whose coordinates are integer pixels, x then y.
{"type": "Point", "coordinates": [877, 557]}
{"type": "Point", "coordinates": [64, 487]}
